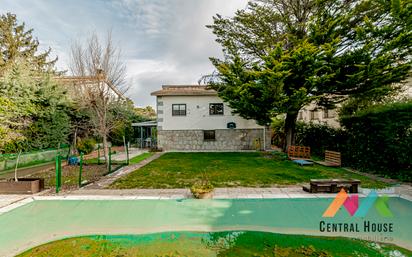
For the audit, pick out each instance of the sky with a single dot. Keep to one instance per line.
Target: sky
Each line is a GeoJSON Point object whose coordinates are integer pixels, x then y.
{"type": "Point", "coordinates": [162, 41]}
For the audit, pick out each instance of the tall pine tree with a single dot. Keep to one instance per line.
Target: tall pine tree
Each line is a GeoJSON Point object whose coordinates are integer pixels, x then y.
{"type": "Point", "coordinates": [33, 107]}
{"type": "Point", "coordinates": [281, 55]}
{"type": "Point", "coordinates": [17, 43]}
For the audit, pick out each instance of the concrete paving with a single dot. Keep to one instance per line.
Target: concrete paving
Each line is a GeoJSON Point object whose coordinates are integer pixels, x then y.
{"type": "Point", "coordinates": [228, 193]}
{"type": "Point", "coordinates": [121, 156]}
{"type": "Point", "coordinates": [10, 202]}
{"type": "Point", "coordinates": [6, 200]}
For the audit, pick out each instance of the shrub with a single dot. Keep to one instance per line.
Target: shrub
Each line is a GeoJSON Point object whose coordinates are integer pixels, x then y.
{"type": "Point", "coordinates": [201, 187]}
{"type": "Point", "coordinates": [278, 128]}
{"type": "Point", "coordinates": [380, 139]}
{"type": "Point", "coordinates": [320, 138]}
{"type": "Point", "coordinates": [86, 146]}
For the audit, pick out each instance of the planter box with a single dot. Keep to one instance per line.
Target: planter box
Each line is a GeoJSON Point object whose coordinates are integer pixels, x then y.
{"type": "Point", "coordinates": [23, 186]}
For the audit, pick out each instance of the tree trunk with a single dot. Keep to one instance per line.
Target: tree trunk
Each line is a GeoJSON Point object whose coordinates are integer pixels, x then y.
{"type": "Point", "coordinates": [74, 149]}
{"type": "Point", "coordinates": [105, 150]}
{"type": "Point", "coordinates": [290, 125]}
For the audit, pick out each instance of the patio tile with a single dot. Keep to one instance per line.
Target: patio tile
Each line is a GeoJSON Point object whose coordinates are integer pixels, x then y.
{"type": "Point", "coordinates": [253, 196]}
{"type": "Point", "coordinates": [13, 206]}
{"type": "Point", "coordinates": [234, 190]}
{"type": "Point", "coordinates": [275, 190]}
{"type": "Point", "coordinates": [178, 196]}
{"type": "Point", "coordinates": [248, 190]}
{"type": "Point", "coordinates": [142, 197]}
{"type": "Point", "coordinates": [295, 195]}
{"type": "Point", "coordinates": [319, 195]}
{"type": "Point", "coordinates": [224, 196]}
{"type": "Point", "coordinates": [221, 190]}
{"type": "Point", "coordinates": [277, 195]}
{"type": "Point", "coordinates": [291, 190]}
{"type": "Point", "coordinates": [407, 197]}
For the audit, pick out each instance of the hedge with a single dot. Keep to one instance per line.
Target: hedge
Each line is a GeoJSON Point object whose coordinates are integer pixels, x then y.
{"type": "Point", "coordinates": [320, 138]}
{"type": "Point", "coordinates": [380, 139]}
{"type": "Point", "coordinates": [376, 140]}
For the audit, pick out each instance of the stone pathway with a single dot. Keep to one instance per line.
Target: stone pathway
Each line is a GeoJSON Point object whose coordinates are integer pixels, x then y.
{"type": "Point", "coordinates": [10, 202]}
{"type": "Point", "coordinates": [109, 179]}
{"type": "Point", "coordinates": [121, 156]}
{"type": "Point", "coordinates": [403, 191]}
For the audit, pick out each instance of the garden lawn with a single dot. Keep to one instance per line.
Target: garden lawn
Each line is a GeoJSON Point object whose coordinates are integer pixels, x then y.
{"type": "Point", "coordinates": [140, 157]}
{"type": "Point", "coordinates": [251, 169]}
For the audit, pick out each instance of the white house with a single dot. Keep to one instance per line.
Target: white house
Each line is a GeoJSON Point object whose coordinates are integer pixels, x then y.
{"type": "Point", "coordinates": [317, 115]}
{"type": "Point", "coordinates": [195, 118]}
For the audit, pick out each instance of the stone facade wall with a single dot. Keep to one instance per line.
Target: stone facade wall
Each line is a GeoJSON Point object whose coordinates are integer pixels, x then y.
{"type": "Point", "coordinates": [226, 139]}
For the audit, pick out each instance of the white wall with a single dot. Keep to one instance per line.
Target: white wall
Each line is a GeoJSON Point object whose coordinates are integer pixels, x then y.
{"type": "Point", "coordinates": [318, 117]}
{"type": "Point", "coordinates": [197, 114]}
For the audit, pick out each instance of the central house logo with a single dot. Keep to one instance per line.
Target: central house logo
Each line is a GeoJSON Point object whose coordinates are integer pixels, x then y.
{"type": "Point", "coordinates": [351, 204]}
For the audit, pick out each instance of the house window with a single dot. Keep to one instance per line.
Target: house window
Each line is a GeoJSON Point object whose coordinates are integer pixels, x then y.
{"type": "Point", "coordinates": [178, 109]}
{"type": "Point", "coordinates": [209, 135]}
{"type": "Point", "coordinates": [216, 109]}
{"type": "Point", "coordinates": [300, 115]}
{"type": "Point", "coordinates": [329, 114]}
{"type": "Point", "coordinates": [326, 114]}
{"type": "Point", "coordinates": [312, 114]}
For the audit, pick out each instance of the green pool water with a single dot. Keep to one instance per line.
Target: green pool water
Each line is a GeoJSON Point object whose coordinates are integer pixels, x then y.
{"type": "Point", "coordinates": [44, 221]}
{"type": "Point", "coordinates": [229, 243]}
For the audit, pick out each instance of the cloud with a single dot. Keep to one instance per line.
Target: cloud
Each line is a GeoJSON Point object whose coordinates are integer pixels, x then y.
{"type": "Point", "coordinates": [177, 42]}
{"type": "Point", "coordinates": [162, 41]}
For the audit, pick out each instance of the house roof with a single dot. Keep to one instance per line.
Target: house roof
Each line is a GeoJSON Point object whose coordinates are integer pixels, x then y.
{"type": "Point", "coordinates": [150, 123]}
{"type": "Point", "coordinates": [183, 90]}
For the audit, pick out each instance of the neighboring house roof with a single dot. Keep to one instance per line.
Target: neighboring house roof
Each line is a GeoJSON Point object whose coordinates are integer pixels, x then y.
{"type": "Point", "coordinates": [183, 90]}
{"type": "Point", "coordinates": [90, 80]}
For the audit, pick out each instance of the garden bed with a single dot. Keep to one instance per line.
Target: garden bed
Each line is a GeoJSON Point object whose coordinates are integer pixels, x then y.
{"type": "Point", "coordinates": [91, 172]}
{"type": "Point", "coordinates": [70, 176]}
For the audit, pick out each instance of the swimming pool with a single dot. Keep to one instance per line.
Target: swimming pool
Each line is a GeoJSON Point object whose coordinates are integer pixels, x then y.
{"type": "Point", "coordinates": [43, 221]}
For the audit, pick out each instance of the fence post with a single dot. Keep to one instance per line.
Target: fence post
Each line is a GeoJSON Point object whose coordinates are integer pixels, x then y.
{"type": "Point", "coordinates": [80, 169]}
{"type": "Point", "coordinates": [58, 173]}
{"type": "Point", "coordinates": [110, 160]}
{"type": "Point", "coordinates": [98, 154]}
{"type": "Point", "coordinates": [127, 154]}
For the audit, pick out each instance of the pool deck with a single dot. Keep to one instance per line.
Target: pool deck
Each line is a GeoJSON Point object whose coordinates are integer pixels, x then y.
{"type": "Point", "coordinates": [10, 202]}
{"type": "Point", "coordinates": [63, 215]}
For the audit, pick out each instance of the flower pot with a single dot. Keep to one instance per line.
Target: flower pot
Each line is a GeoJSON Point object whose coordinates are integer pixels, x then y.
{"type": "Point", "coordinates": [22, 186]}
{"type": "Point", "coordinates": [203, 195]}
{"type": "Point", "coordinates": [206, 195]}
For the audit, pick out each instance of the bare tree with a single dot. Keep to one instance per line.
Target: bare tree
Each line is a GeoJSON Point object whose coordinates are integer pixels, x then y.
{"type": "Point", "coordinates": [100, 83]}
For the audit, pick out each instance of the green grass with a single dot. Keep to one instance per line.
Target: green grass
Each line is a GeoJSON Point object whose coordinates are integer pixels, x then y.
{"type": "Point", "coordinates": [236, 243]}
{"type": "Point", "coordinates": [140, 158]}
{"type": "Point", "coordinates": [181, 170]}
{"type": "Point", "coordinates": [134, 160]}
{"type": "Point", "coordinates": [92, 161]}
